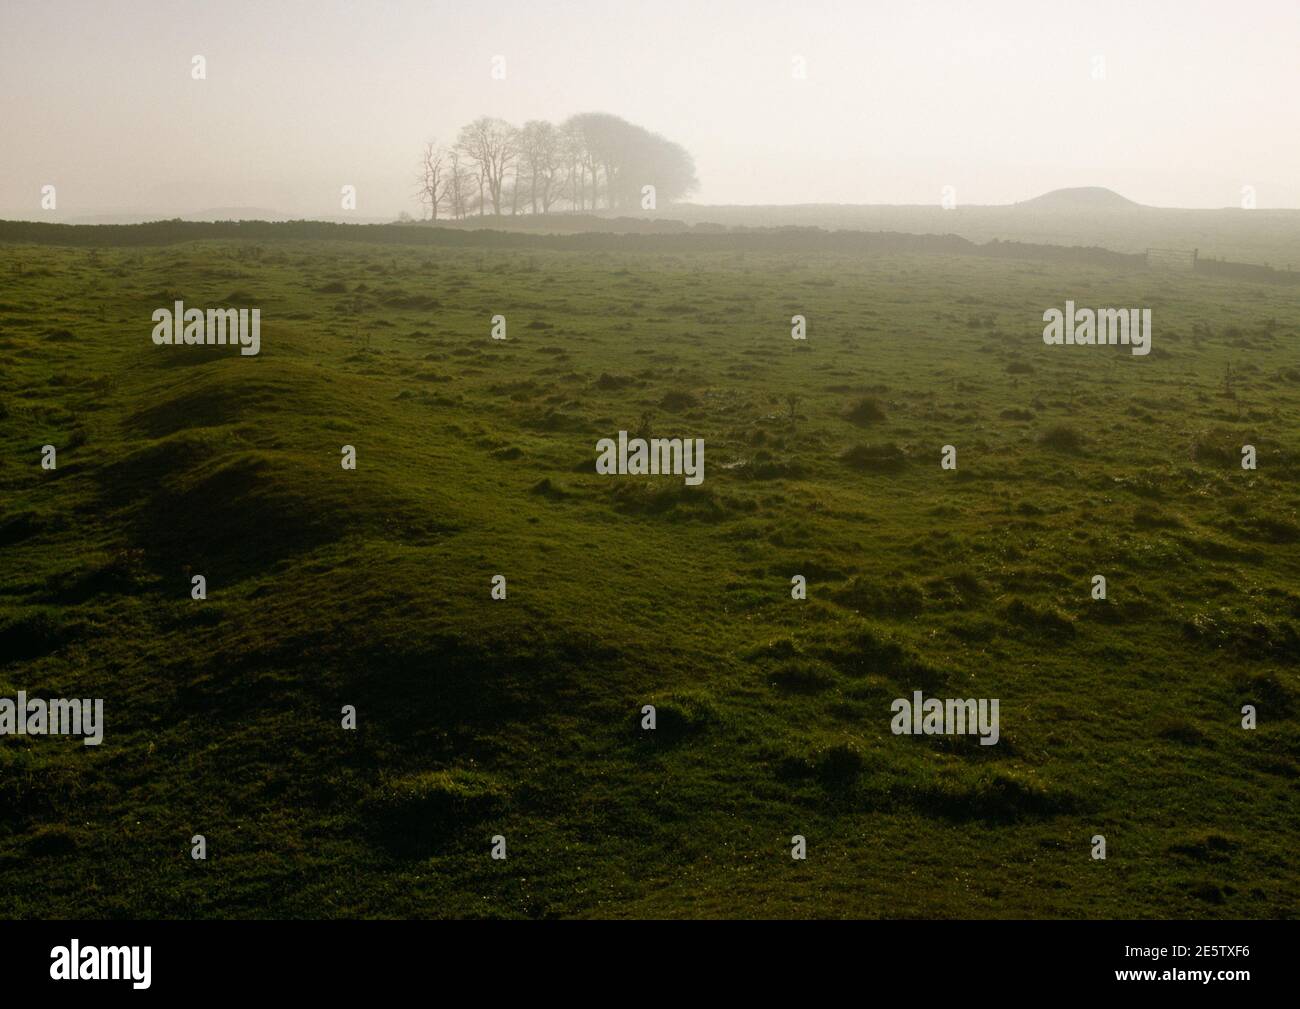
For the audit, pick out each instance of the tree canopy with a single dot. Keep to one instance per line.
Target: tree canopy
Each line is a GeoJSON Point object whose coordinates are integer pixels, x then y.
{"type": "Point", "coordinates": [591, 161]}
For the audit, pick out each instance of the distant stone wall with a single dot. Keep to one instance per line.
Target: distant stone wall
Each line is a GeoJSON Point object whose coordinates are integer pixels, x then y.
{"type": "Point", "coordinates": [690, 238]}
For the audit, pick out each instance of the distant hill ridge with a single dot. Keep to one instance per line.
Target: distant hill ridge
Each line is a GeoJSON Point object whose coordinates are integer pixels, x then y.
{"type": "Point", "coordinates": [1081, 198]}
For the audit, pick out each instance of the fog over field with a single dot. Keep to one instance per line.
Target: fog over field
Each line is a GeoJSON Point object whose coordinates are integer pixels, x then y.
{"type": "Point", "coordinates": [1171, 103]}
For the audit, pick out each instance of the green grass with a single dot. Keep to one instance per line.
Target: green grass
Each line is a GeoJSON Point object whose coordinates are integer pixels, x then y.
{"type": "Point", "coordinates": [522, 717]}
{"type": "Point", "coordinates": [1268, 237]}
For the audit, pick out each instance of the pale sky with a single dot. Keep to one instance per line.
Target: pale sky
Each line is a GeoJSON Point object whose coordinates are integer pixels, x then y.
{"type": "Point", "coordinates": [996, 98]}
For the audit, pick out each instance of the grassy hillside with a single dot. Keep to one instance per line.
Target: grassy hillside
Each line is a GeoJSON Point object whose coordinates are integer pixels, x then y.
{"type": "Point", "coordinates": [521, 716]}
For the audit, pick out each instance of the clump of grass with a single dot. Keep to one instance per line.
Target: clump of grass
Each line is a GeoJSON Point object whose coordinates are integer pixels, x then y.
{"type": "Point", "coordinates": [802, 676]}
{"type": "Point", "coordinates": [958, 590]}
{"type": "Point", "coordinates": [122, 573]}
{"type": "Point", "coordinates": [554, 420]}
{"type": "Point", "coordinates": [1062, 438]}
{"type": "Point", "coordinates": [677, 500]}
{"type": "Point", "coordinates": [763, 466]}
{"type": "Point", "coordinates": [1180, 730]}
{"type": "Point", "coordinates": [860, 650]}
{"type": "Point", "coordinates": [839, 766]}
{"type": "Point", "coordinates": [865, 411]}
{"type": "Point", "coordinates": [778, 648]}
{"type": "Point", "coordinates": [1046, 621]}
{"type": "Point", "coordinates": [545, 488]}
{"type": "Point", "coordinates": [1207, 848]}
{"type": "Point", "coordinates": [1218, 447]}
{"type": "Point", "coordinates": [32, 634]}
{"type": "Point", "coordinates": [681, 715]}
{"type": "Point", "coordinates": [1271, 529]}
{"type": "Point", "coordinates": [612, 382]}
{"type": "Point", "coordinates": [886, 458]}
{"type": "Point", "coordinates": [22, 525]}
{"type": "Point", "coordinates": [678, 400]}
{"type": "Point", "coordinates": [892, 598]}
{"type": "Point", "coordinates": [1211, 893]}
{"type": "Point", "coordinates": [52, 839]}
{"type": "Point", "coordinates": [410, 811]}
{"type": "Point", "coordinates": [1267, 692]}
{"type": "Point", "coordinates": [994, 795]}
{"type": "Point", "coordinates": [1155, 518]}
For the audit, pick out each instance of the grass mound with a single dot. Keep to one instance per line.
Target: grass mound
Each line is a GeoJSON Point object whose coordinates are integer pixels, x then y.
{"type": "Point", "coordinates": [886, 458]}
{"type": "Point", "coordinates": [992, 795]}
{"type": "Point", "coordinates": [887, 598]}
{"type": "Point", "coordinates": [31, 634]}
{"type": "Point", "coordinates": [680, 716]}
{"type": "Point", "coordinates": [229, 391]}
{"type": "Point", "coordinates": [410, 814]}
{"type": "Point", "coordinates": [1062, 438]}
{"type": "Point", "coordinates": [865, 412]}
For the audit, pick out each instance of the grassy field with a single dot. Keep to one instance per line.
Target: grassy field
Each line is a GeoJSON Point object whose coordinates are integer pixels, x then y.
{"type": "Point", "coordinates": [1268, 237]}
{"type": "Point", "coordinates": [521, 717]}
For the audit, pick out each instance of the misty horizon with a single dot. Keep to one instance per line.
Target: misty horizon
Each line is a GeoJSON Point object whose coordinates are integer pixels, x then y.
{"type": "Point", "coordinates": [255, 213]}
{"type": "Point", "coordinates": [828, 105]}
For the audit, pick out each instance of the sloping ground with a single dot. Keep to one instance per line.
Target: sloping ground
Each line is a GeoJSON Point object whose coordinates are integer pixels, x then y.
{"type": "Point", "coordinates": [522, 717]}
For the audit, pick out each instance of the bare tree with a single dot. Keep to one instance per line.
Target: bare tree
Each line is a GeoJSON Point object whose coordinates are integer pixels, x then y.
{"type": "Point", "coordinates": [541, 157]}
{"type": "Point", "coordinates": [528, 144]}
{"type": "Point", "coordinates": [474, 167]}
{"type": "Point", "coordinates": [571, 145]}
{"type": "Point", "coordinates": [490, 146]}
{"type": "Point", "coordinates": [550, 162]}
{"type": "Point", "coordinates": [602, 137]}
{"type": "Point", "coordinates": [578, 163]}
{"type": "Point", "coordinates": [470, 146]}
{"type": "Point", "coordinates": [432, 180]}
{"type": "Point", "coordinates": [459, 181]}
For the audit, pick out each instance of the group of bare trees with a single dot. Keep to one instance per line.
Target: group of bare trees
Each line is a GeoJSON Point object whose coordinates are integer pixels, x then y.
{"type": "Point", "coordinates": [590, 161]}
